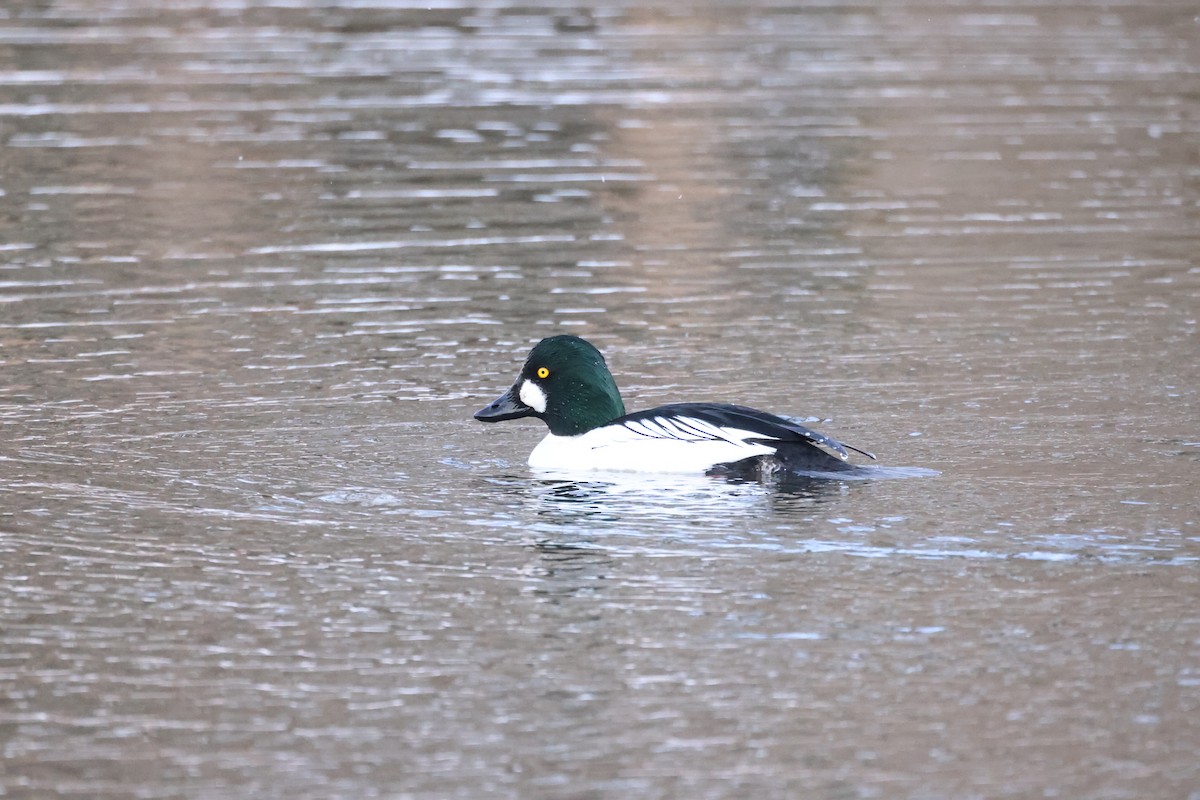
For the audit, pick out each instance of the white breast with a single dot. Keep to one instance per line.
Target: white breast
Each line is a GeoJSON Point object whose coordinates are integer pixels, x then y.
{"type": "Point", "coordinates": [656, 445]}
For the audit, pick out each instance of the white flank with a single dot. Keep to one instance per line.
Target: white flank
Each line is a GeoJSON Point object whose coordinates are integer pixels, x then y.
{"type": "Point", "coordinates": [533, 396]}
{"type": "Point", "coordinates": [666, 444]}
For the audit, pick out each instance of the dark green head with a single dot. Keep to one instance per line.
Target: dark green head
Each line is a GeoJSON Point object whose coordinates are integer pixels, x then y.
{"type": "Point", "coordinates": [566, 384]}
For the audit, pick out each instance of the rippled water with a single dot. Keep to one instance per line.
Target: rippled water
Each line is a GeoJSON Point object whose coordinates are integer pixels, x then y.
{"type": "Point", "coordinates": [261, 262]}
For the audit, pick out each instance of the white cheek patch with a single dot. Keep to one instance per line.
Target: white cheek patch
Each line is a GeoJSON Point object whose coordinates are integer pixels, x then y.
{"type": "Point", "coordinates": [532, 395]}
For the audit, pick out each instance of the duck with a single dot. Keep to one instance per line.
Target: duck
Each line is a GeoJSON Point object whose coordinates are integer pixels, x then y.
{"type": "Point", "coordinates": [565, 382]}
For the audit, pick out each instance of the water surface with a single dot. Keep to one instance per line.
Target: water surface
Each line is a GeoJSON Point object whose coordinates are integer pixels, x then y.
{"type": "Point", "coordinates": [261, 262]}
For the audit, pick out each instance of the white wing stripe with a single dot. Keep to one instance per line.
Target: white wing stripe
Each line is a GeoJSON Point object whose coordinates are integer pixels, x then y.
{"type": "Point", "coordinates": [696, 428]}
{"type": "Point", "coordinates": [639, 427]}
{"type": "Point", "coordinates": [690, 429]}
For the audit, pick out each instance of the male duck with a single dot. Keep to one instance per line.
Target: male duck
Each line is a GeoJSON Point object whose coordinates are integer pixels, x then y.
{"type": "Point", "coordinates": [566, 384]}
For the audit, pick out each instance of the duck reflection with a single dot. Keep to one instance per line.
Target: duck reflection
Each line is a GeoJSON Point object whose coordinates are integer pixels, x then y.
{"type": "Point", "coordinates": [590, 529]}
{"type": "Point", "coordinates": [570, 568]}
{"type": "Point", "coordinates": [699, 499]}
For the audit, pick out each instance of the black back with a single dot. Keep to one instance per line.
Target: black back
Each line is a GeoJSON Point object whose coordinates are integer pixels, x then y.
{"type": "Point", "coordinates": [797, 447]}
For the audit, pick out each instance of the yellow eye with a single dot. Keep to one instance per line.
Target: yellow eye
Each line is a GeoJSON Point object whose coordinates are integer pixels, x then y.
{"type": "Point", "coordinates": [543, 372]}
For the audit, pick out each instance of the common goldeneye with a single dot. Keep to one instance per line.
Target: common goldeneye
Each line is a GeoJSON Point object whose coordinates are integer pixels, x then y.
{"type": "Point", "coordinates": [566, 384]}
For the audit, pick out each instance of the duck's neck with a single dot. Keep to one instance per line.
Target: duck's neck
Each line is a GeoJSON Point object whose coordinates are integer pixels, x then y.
{"type": "Point", "coordinates": [590, 408]}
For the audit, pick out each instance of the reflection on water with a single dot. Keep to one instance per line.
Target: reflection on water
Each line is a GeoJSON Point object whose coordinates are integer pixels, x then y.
{"type": "Point", "coordinates": [261, 261]}
{"type": "Point", "coordinates": [616, 497]}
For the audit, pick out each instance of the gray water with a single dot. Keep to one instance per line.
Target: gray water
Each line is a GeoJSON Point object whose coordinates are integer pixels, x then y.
{"type": "Point", "coordinates": [261, 261]}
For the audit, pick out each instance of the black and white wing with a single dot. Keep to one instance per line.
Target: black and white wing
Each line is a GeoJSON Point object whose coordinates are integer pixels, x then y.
{"type": "Point", "coordinates": [692, 437]}
{"type": "Point", "coordinates": [723, 422]}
